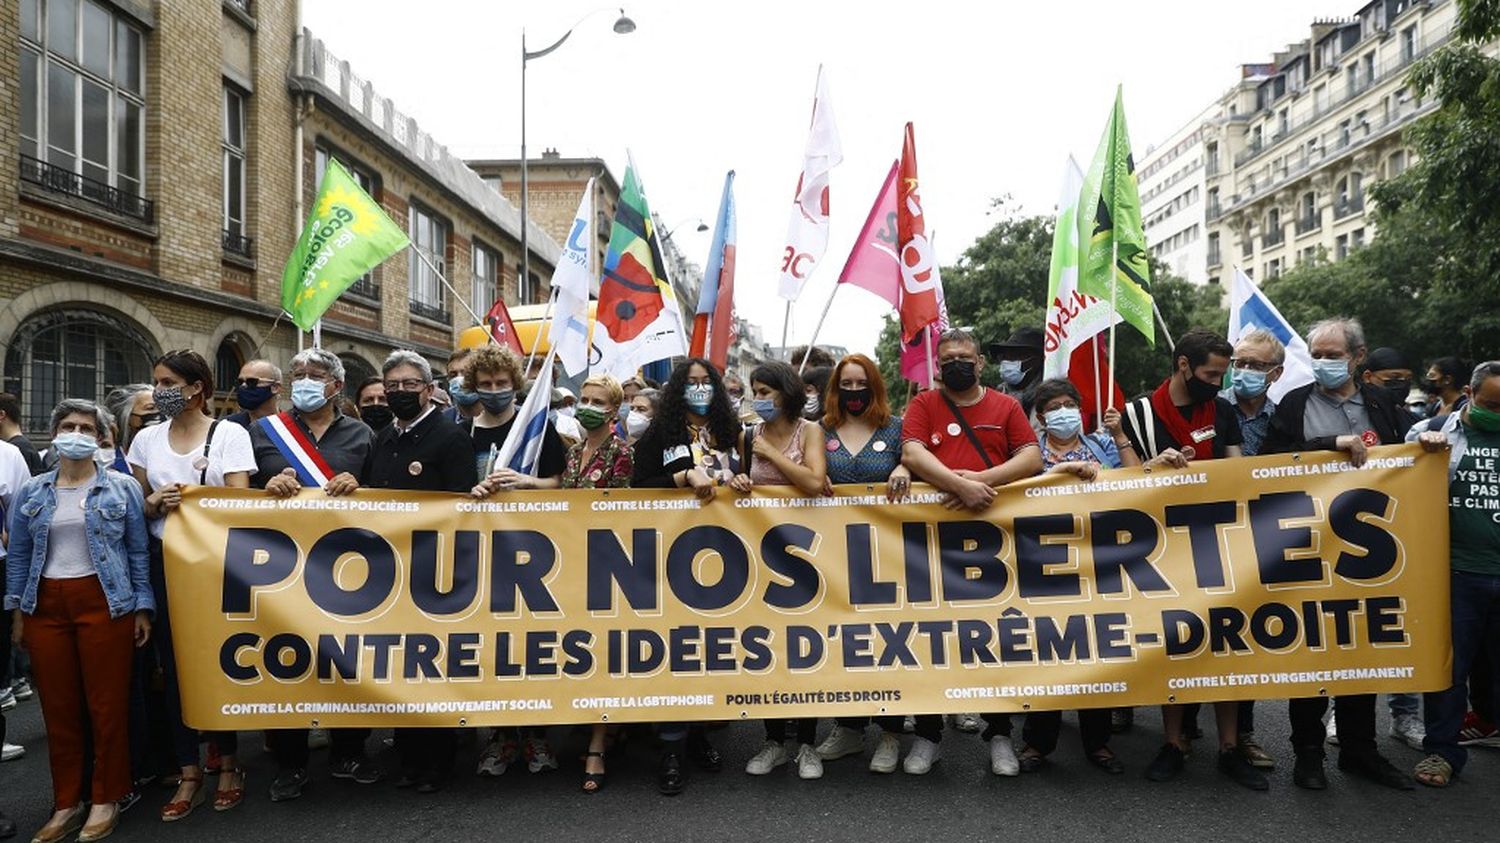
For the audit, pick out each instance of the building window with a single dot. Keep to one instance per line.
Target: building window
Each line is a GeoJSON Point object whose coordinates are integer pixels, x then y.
{"type": "Point", "coordinates": [1396, 165]}
{"type": "Point", "coordinates": [72, 354]}
{"type": "Point", "coordinates": [1341, 247]}
{"type": "Point", "coordinates": [227, 364]}
{"type": "Point", "coordinates": [1308, 217]}
{"type": "Point", "coordinates": [82, 103]}
{"type": "Point", "coordinates": [234, 173]}
{"type": "Point", "coordinates": [1356, 239]}
{"type": "Point", "coordinates": [486, 274]}
{"type": "Point", "coordinates": [1408, 43]}
{"type": "Point", "coordinates": [1274, 233]}
{"type": "Point", "coordinates": [1214, 258]}
{"type": "Point", "coordinates": [429, 237]}
{"type": "Point", "coordinates": [366, 285]}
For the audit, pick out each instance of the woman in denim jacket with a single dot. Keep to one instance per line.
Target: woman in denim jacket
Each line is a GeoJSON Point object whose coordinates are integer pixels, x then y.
{"type": "Point", "coordinates": [77, 579]}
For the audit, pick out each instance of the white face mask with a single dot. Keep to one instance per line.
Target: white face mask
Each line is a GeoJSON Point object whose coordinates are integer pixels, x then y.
{"type": "Point", "coordinates": [570, 411]}
{"type": "Point", "coordinates": [636, 422]}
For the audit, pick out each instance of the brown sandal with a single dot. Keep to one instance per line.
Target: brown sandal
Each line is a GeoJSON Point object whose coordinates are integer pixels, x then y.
{"type": "Point", "coordinates": [176, 810]}
{"type": "Point", "coordinates": [229, 797]}
{"type": "Point", "coordinates": [1434, 771]}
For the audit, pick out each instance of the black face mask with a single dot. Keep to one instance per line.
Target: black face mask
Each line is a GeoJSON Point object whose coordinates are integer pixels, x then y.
{"type": "Point", "coordinates": [1199, 390]}
{"type": "Point", "coordinates": [405, 405]}
{"type": "Point", "coordinates": [1430, 387]}
{"type": "Point", "coordinates": [958, 375]}
{"type": "Point", "coordinates": [377, 416]}
{"type": "Point", "coordinates": [1398, 389]}
{"type": "Point", "coordinates": [854, 402]}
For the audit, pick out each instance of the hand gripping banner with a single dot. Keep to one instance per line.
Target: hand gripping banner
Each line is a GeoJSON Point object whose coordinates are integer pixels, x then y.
{"type": "Point", "coordinates": [1273, 577]}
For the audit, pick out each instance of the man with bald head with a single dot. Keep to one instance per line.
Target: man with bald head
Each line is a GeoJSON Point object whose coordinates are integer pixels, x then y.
{"type": "Point", "coordinates": [257, 391]}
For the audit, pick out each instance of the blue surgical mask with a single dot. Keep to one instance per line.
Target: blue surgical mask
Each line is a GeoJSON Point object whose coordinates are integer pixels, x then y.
{"type": "Point", "coordinates": [764, 407]}
{"type": "Point", "coordinates": [460, 396]}
{"type": "Point", "coordinates": [1012, 372]}
{"type": "Point", "coordinates": [75, 445]}
{"type": "Point", "coordinates": [1064, 422]}
{"type": "Point", "coordinates": [307, 395]}
{"type": "Point", "coordinates": [1331, 373]}
{"type": "Point", "coordinates": [698, 396]}
{"type": "Point", "coordinates": [1248, 384]}
{"type": "Point", "coordinates": [498, 401]}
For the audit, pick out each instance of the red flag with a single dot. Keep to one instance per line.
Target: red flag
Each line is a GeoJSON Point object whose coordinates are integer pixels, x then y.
{"type": "Point", "coordinates": [919, 269]}
{"type": "Point", "coordinates": [502, 330]}
{"type": "Point", "coordinates": [1088, 369]}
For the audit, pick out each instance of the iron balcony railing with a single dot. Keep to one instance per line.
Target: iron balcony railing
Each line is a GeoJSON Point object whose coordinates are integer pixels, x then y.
{"type": "Point", "coordinates": [429, 311]}
{"type": "Point", "coordinates": [238, 244]}
{"type": "Point", "coordinates": [56, 179]}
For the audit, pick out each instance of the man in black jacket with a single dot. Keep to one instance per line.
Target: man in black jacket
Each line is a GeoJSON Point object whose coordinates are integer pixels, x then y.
{"type": "Point", "coordinates": [422, 450]}
{"type": "Point", "coordinates": [1336, 412]}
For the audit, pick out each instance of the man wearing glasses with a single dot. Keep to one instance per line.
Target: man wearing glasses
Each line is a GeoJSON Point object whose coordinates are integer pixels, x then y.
{"type": "Point", "coordinates": [258, 392]}
{"type": "Point", "coordinates": [421, 451]}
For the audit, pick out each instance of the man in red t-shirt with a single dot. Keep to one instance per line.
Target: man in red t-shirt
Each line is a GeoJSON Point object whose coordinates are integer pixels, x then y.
{"type": "Point", "coordinates": [966, 439]}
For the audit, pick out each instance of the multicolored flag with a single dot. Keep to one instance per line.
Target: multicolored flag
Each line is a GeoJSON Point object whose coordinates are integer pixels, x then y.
{"type": "Point", "coordinates": [347, 235]}
{"type": "Point", "coordinates": [873, 264]}
{"type": "Point", "coordinates": [807, 234]}
{"type": "Point", "coordinates": [918, 263]}
{"type": "Point", "coordinates": [637, 324]}
{"type": "Point", "coordinates": [1075, 320]}
{"type": "Point", "coordinates": [713, 325]}
{"type": "Point", "coordinates": [1113, 265]}
{"type": "Point", "coordinates": [1249, 309]}
{"type": "Point", "coordinates": [568, 332]}
{"type": "Point", "coordinates": [502, 329]}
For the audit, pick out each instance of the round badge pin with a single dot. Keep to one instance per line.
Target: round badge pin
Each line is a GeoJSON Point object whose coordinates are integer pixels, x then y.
{"type": "Point", "coordinates": [879, 446]}
{"type": "Point", "coordinates": [936, 439]}
{"type": "Point", "coordinates": [833, 445]}
{"type": "Point", "coordinates": [414, 469]}
{"type": "Point", "coordinates": [596, 475]}
{"type": "Point", "coordinates": [200, 463]}
{"type": "Point", "coordinates": [954, 429]}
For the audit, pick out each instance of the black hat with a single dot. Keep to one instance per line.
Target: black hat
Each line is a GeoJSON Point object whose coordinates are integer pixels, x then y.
{"type": "Point", "coordinates": [1386, 358]}
{"type": "Point", "coordinates": [1029, 340]}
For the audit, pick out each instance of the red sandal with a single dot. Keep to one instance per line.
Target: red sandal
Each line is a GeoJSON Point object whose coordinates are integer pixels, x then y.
{"type": "Point", "coordinates": [229, 797]}
{"type": "Point", "coordinates": [176, 810]}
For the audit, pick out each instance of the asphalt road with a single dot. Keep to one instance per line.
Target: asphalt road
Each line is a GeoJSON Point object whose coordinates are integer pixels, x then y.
{"type": "Point", "coordinates": [960, 800]}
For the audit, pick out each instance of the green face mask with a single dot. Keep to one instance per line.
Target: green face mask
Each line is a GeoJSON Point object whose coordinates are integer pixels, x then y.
{"type": "Point", "coordinates": [1483, 419]}
{"type": "Point", "coordinates": [590, 417]}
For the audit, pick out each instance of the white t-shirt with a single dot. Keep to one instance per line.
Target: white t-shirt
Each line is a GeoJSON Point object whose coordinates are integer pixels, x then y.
{"type": "Point", "coordinates": [13, 475]}
{"type": "Point", "coordinates": [230, 451]}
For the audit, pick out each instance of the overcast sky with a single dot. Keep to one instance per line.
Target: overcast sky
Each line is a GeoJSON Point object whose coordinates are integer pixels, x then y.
{"type": "Point", "coordinates": [1000, 92]}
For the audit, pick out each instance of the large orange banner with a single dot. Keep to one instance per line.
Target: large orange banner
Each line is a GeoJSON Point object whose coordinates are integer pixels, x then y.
{"type": "Point", "coordinates": [1271, 577]}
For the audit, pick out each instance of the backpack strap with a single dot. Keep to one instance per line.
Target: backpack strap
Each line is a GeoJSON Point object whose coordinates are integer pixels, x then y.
{"type": "Point", "coordinates": [207, 443]}
{"type": "Point", "coordinates": [968, 430]}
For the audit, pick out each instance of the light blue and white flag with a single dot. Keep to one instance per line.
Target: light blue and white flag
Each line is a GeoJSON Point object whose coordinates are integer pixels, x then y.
{"type": "Point", "coordinates": [1250, 310]}
{"type": "Point", "coordinates": [523, 445]}
{"type": "Point", "coordinates": [568, 332]}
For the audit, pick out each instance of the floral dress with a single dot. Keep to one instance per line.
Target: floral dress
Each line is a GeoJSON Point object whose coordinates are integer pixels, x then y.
{"type": "Point", "coordinates": [609, 468]}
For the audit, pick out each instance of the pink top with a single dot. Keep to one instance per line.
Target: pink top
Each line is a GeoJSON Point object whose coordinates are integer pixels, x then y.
{"type": "Point", "coordinates": [763, 472]}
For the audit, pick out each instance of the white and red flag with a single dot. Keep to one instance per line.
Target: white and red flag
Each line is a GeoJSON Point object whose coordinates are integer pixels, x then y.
{"type": "Point", "coordinates": [807, 234]}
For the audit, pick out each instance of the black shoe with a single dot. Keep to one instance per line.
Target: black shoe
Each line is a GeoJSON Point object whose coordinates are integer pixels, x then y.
{"type": "Point", "coordinates": [429, 783]}
{"type": "Point", "coordinates": [1234, 765]}
{"type": "Point", "coordinates": [1376, 768]}
{"type": "Point", "coordinates": [704, 756]}
{"type": "Point", "coordinates": [1121, 719]}
{"type": "Point", "coordinates": [7, 827]}
{"type": "Point", "coordinates": [1166, 765]}
{"type": "Point", "coordinates": [126, 802]}
{"type": "Point", "coordinates": [1109, 763]}
{"type": "Point", "coordinates": [1308, 772]}
{"type": "Point", "coordinates": [670, 779]}
{"type": "Point", "coordinates": [407, 779]}
{"type": "Point", "coordinates": [357, 770]}
{"type": "Point", "coordinates": [288, 785]}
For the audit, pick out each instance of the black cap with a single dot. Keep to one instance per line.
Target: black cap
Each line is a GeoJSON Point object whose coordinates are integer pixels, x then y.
{"type": "Point", "coordinates": [1386, 358]}
{"type": "Point", "coordinates": [1027, 340]}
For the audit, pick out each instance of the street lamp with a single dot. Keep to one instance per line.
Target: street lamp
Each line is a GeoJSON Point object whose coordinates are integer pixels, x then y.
{"type": "Point", "coordinates": [623, 26]}
{"type": "Point", "coordinates": [702, 227]}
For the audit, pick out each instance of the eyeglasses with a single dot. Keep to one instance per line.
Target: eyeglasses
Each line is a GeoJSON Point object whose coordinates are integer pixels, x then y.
{"type": "Point", "coordinates": [255, 383]}
{"type": "Point", "coordinates": [407, 385]}
{"type": "Point", "coordinates": [1253, 365]}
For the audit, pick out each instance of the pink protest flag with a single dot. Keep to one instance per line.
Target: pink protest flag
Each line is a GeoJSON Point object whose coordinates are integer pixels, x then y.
{"type": "Point", "coordinates": [872, 263]}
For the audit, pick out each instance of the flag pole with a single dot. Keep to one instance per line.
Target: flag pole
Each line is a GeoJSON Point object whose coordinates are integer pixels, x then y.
{"type": "Point", "coordinates": [1098, 387]}
{"type": "Point", "coordinates": [317, 333]}
{"type": "Point", "coordinates": [786, 321]}
{"type": "Point", "coordinates": [1165, 331]}
{"type": "Point", "coordinates": [814, 341]}
{"type": "Point", "coordinates": [927, 341]}
{"type": "Point", "coordinates": [1114, 292]}
{"type": "Point", "coordinates": [546, 321]}
{"type": "Point", "coordinates": [456, 297]}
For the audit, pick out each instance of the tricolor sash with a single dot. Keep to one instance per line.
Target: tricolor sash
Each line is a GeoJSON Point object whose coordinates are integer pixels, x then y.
{"type": "Point", "coordinates": [298, 449]}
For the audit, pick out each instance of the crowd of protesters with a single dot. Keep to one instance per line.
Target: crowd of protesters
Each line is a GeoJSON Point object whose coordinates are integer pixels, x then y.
{"type": "Point", "coordinates": [86, 597]}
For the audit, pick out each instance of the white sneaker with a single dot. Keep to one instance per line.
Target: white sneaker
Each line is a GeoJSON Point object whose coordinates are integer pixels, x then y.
{"type": "Point", "coordinates": [1003, 760]}
{"type": "Point", "coordinates": [7, 699]}
{"type": "Point", "coordinates": [539, 757]}
{"type": "Point", "coordinates": [924, 753]}
{"type": "Point", "coordinates": [1409, 729]}
{"type": "Point", "coordinates": [11, 751]}
{"type": "Point", "coordinates": [771, 756]}
{"type": "Point", "coordinates": [841, 742]}
{"type": "Point", "coordinates": [909, 724]}
{"type": "Point", "coordinates": [887, 754]}
{"type": "Point", "coordinates": [498, 755]}
{"type": "Point", "coordinates": [967, 722]}
{"type": "Point", "coordinates": [809, 765]}
{"type": "Point", "coordinates": [1332, 732]}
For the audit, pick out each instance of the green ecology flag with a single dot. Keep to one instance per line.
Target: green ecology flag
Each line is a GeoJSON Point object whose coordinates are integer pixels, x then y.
{"type": "Point", "coordinates": [1110, 225]}
{"type": "Point", "coordinates": [347, 235]}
